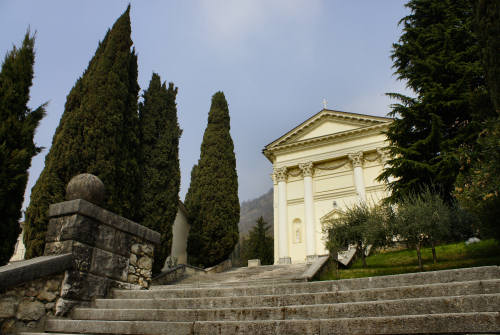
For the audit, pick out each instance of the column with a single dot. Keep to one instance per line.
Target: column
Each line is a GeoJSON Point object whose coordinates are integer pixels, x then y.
{"type": "Point", "coordinates": [281, 176]}
{"type": "Point", "coordinates": [307, 172]}
{"type": "Point", "coordinates": [359, 182]}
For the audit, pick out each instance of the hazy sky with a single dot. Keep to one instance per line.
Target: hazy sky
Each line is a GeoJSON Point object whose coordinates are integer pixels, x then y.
{"type": "Point", "coordinates": [275, 60]}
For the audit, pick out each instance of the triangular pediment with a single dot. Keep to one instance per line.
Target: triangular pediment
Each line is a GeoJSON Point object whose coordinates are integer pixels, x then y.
{"type": "Point", "coordinates": [331, 215]}
{"type": "Point", "coordinates": [328, 123]}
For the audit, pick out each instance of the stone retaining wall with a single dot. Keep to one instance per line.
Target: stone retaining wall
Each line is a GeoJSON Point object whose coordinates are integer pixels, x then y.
{"type": "Point", "coordinates": [108, 251]}
{"type": "Point", "coordinates": [30, 290]}
{"type": "Point", "coordinates": [26, 306]}
{"type": "Point", "coordinates": [88, 250]}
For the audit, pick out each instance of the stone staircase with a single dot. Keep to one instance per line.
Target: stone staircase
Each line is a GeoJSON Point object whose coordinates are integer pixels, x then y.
{"type": "Point", "coordinates": [461, 301]}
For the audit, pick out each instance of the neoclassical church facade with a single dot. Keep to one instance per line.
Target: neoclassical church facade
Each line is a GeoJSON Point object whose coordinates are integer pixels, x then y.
{"type": "Point", "coordinates": [326, 163]}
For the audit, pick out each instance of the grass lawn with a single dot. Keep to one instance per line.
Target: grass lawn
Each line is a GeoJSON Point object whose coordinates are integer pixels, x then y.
{"type": "Point", "coordinates": [450, 256]}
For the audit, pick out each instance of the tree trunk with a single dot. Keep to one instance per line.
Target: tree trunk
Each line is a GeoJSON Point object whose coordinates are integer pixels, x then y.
{"type": "Point", "coordinates": [434, 257]}
{"type": "Point", "coordinates": [419, 256]}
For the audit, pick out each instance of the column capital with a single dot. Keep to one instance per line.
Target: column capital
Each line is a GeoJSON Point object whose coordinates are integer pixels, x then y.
{"type": "Point", "coordinates": [307, 169]}
{"type": "Point", "coordinates": [280, 174]}
{"type": "Point", "coordinates": [356, 159]}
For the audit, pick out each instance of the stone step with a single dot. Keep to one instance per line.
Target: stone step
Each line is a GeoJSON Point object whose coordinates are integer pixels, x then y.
{"type": "Point", "coordinates": [415, 306]}
{"type": "Point", "coordinates": [418, 278]}
{"type": "Point", "coordinates": [457, 323]}
{"type": "Point", "coordinates": [491, 286]}
{"type": "Point", "coordinates": [421, 278]}
{"type": "Point", "coordinates": [266, 288]}
{"type": "Point", "coordinates": [207, 283]}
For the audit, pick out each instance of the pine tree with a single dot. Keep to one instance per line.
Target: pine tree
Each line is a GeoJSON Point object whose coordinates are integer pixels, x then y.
{"type": "Point", "coordinates": [438, 56]}
{"type": "Point", "coordinates": [487, 17]}
{"type": "Point", "coordinates": [213, 195]}
{"type": "Point", "coordinates": [161, 177]}
{"type": "Point", "coordinates": [478, 183]}
{"type": "Point", "coordinates": [17, 128]}
{"type": "Point", "coordinates": [98, 133]}
{"type": "Point", "coordinates": [261, 245]}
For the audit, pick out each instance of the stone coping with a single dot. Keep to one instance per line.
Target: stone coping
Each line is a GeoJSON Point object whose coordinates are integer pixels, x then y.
{"type": "Point", "coordinates": [23, 271]}
{"type": "Point", "coordinates": [315, 267]}
{"type": "Point", "coordinates": [83, 207]}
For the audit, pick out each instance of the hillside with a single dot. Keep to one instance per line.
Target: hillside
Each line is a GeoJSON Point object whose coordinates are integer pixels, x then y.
{"type": "Point", "coordinates": [251, 210]}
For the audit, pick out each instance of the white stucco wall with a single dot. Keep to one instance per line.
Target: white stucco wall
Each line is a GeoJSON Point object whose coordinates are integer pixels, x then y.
{"type": "Point", "coordinates": [180, 231]}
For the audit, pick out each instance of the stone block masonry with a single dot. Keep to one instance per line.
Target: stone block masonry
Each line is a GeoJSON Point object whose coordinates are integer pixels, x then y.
{"type": "Point", "coordinates": [29, 291]}
{"type": "Point", "coordinates": [108, 251]}
{"type": "Point", "coordinates": [88, 251]}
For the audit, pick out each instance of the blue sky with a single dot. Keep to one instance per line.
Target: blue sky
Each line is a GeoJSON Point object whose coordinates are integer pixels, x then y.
{"type": "Point", "coordinates": [275, 60]}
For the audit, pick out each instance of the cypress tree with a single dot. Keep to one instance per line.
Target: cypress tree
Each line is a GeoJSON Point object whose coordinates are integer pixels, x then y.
{"type": "Point", "coordinates": [213, 195]}
{"type": "Point", "coordinates": [438, 56]}
{"type": "Point", "coordinates": [98, 133]}
{"type": "Point", "coordinates": [160, 134]}
{"type": "Point", "coordinates": [17, 128]}
{"type": "Point", "coordinates": [261, 245]}
{"type": "Point", "coordinates": [192, 204]}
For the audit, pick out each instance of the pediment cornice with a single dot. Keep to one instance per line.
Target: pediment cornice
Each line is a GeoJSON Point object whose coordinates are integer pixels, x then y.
{"type": "Point", "coordinates": [270, 151]}
{"type": "Point", "coordinates": [366, 123]}
{"type": "Point", "coordinates": [330, 215]}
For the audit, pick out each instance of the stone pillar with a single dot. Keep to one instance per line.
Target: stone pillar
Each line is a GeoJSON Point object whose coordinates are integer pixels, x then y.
{"type": "Point", "coordinates": [108, 250]}
{"type": "Point", "coordinates": [281, 176]}
{"type": "Point", "coordinates": [359, 182]}
{"type": "Point", "coordinates": [307, 172]}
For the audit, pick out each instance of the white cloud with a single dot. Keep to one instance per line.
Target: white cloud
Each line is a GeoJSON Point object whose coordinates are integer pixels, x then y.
{"type": "Point", "coordinates": [229, 20]}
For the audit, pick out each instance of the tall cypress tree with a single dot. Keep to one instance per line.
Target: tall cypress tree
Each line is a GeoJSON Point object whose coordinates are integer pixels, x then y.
{"type": "Point", "coordinates": [160, 135]}
{"type": "Point", "coordinates": [192, 204]}
{"type": "Point", "coordinates": [98, 133]}
{"type": "Point", "coordinates": [214, 200]}
{"type": "Point", "coordinates": [438, 56]}
{"type": "Point", "coordinates": [17, 128]}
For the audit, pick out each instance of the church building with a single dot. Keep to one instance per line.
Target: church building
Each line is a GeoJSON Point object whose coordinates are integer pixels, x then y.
{"type": "Point", "coordinates": [326, 163]}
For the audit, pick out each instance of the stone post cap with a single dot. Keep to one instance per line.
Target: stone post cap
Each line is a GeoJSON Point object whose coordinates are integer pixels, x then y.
{"type": "Point", "coordinates": [86, 186]}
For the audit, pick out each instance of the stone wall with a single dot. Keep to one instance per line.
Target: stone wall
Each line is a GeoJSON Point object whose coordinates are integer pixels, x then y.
{"type": "Point", "coordinates": [88, 251]}
{"type": "Point", "coordinates": [25, 307]}
{"type": "Point", "coordinates": [108, 251]}
{"type": "Point", "coordinates": [30, 291]}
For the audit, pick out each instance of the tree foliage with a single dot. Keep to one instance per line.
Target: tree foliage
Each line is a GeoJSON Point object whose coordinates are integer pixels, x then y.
{"type": "Point", "coordinates": [438, 55]}
{"type": "Point", "coordinates": [422, 218]}
{"type": "Point", "coordinates": [212, 199]}
{"type": "Point", "coordinates": [259, 244]}
{"type": "Point", "coordinates": [160, 133]}
{"type": "Point", "coordinates": [17, 128]}
{"type": "Point", "coordinates": [359, 225]}
{"type": "Point", "coordinates": [487, 23]}
{"type": "Point", "coordinates": [478, 184]}
{"type": "Point", "coordinates": [98, 133]}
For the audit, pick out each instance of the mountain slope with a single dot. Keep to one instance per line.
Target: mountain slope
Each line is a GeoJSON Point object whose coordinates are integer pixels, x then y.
{"type": "Point", "coordinates": [251, 210]}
